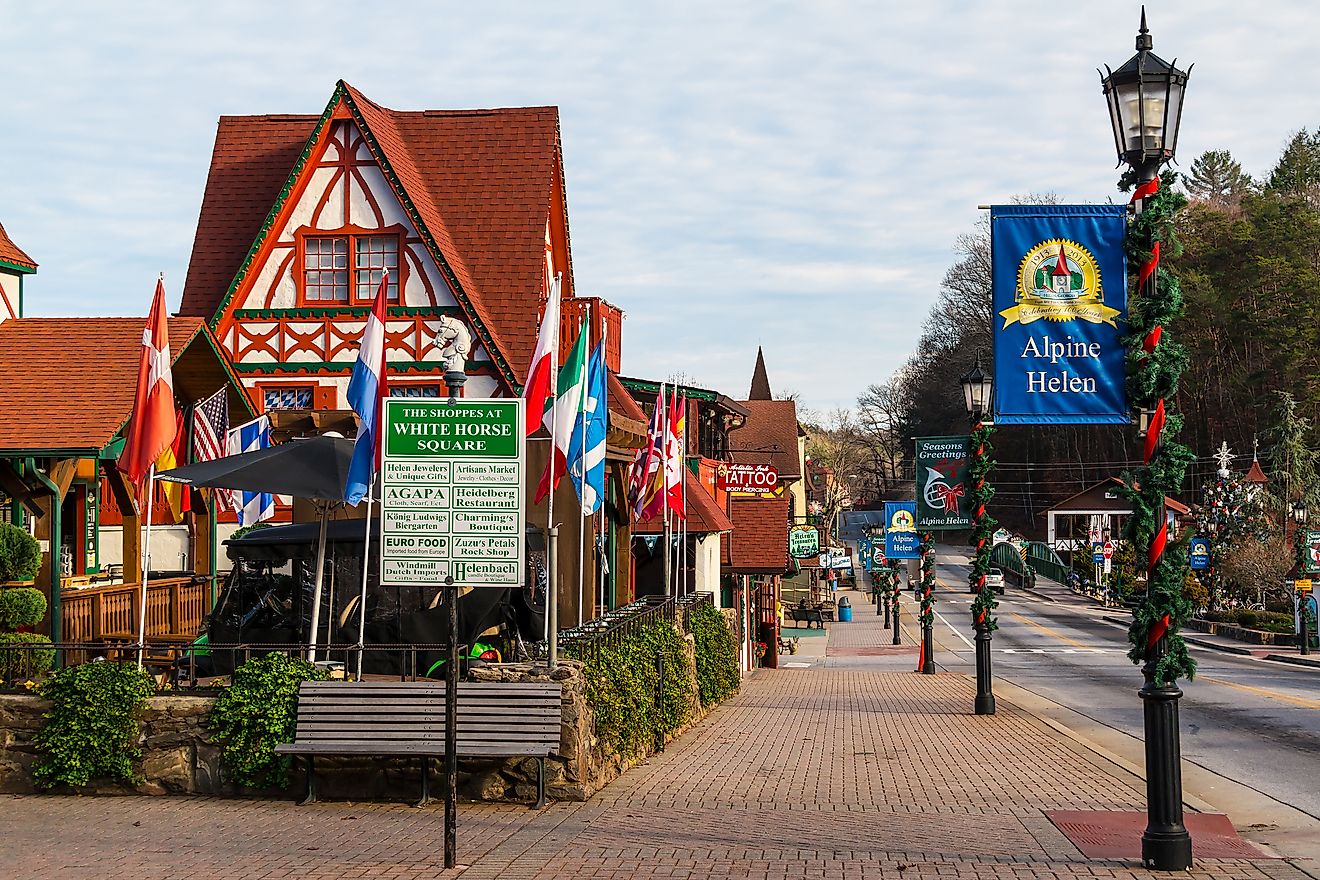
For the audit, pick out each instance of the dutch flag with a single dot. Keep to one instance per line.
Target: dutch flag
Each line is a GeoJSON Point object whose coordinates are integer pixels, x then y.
{"type": "Point", "coordinates": [366, 389]}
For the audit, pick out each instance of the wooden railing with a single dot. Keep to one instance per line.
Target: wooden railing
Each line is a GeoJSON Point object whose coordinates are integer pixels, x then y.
{"type": "Point", "coordinates": [175, 608]}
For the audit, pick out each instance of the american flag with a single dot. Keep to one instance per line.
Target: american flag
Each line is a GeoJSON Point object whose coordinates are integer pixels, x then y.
{"type": "Point", "coordinates": [210, 427]}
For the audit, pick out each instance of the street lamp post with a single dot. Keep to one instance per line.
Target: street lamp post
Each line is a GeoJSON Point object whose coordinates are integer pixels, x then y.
{"type": "Point", "coordinates": [1145, 100]}
{"type": "Point", "coordinates": [978, 390]}
{"type": "Point", "coordinates": [1300, 515]}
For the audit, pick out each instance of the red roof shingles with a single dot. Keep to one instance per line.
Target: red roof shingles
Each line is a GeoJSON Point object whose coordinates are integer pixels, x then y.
{"type": "Point", "coordinates": [759, 544]}
{"type": "Point", "coordinates": [12, 253]}
{"type": "Point", "coordinates": [481, 181]}
{"type": "Point", "coordinates": [704, 514]}
{"type": "Point", "coordinates": [770, 436]}
{"type": "Point", "coordinates": [50, 399]}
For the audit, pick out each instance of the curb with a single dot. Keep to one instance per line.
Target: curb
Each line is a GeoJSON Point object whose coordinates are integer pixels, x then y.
{"type": "Point", "coordinates": [1293, 659]}
{"type": "Point", "coordinates": [1215, 646]}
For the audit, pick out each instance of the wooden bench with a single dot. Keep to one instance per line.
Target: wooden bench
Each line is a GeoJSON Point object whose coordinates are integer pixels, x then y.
{"type": "Point", "coordinates": [495, 719]}
{"type": "Point", "coordinates": [807, 615]}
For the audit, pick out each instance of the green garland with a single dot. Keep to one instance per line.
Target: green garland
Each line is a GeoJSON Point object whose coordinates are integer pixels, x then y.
{"type": "Point", "coordinates": [927, 616]}
{"type": "Point", "coordinates": [1151, 377]}
{"type": "Point", "coordinates": [895, 589]}
{"type": "Point", "coordinates": [983, 531]}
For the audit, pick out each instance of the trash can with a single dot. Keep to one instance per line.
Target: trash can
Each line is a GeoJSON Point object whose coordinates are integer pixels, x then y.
{"type": "Point", "coordinates": [845, 610]}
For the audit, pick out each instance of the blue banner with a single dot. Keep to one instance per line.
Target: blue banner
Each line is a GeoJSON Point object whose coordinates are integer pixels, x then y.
{"type": "Point", "coordinates": [1060, 301]}
{"type": "Point", "coordinates": [901, 538]}
{"type": "Point", "coordinates": [1199, 550]}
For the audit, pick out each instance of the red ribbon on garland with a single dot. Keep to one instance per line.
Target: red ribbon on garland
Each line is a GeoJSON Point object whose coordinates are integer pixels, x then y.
{"type": "Point", "coordinates": [1150, 265]}
{"type": "Point", "coordinates": [1146, 190]}
{"type": "Point", "coordinates": [1152, 339]}
{"type": "Point", "coordinates": [1157, 549]}
{"type": "Point", "coordinates": [1155, 429]}
{"type": "Point", "coordinates": [1157, 631]}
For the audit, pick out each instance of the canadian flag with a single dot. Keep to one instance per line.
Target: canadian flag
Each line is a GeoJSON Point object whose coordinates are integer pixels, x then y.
{"type": "Point", "coordinates": [539, 388]}
{"type": "Point", "coordinates": [153, 427]}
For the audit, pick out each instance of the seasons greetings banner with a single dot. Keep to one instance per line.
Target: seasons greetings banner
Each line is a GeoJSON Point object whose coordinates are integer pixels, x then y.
{"type": "Point", "coordinates": [942, 499]}
{"type": "Point", "coordinates": [1060, 295]}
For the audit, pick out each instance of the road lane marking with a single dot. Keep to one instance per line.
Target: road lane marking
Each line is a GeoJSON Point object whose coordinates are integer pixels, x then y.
{"type": "Point", "coordinates": [1263, 692]}
{"type": "Point", "coordinates": [954, 631]}
{"type": "Point", "coordinates": [1049, 632]}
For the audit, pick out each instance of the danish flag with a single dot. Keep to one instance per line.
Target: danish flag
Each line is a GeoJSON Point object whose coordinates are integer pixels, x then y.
{"type": "Point", "coordinates": [153, 427]}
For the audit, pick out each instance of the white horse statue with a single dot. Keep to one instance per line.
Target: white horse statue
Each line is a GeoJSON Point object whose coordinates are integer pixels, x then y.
{"type": "Point", "coordinates": [455, 342]}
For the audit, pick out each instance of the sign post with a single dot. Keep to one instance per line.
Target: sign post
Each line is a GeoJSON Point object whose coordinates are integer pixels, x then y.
{"type": "Point", "coordinates": [453, 512]}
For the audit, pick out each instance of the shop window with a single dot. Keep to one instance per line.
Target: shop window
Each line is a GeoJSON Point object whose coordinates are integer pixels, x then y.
{"type": "Point", "coordinates": [346, 269]}
{"type": "Point", "coordinates": [287, 398]}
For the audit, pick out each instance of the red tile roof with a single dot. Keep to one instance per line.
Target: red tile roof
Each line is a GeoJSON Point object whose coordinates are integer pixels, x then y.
{"type": "Point", "coordinates": [704, 514]}
{"type": "Point", "coordinates": [12, 253]}
{"type": "Point", "coordinates": [759, 544]}
{"type": "Point", "coordinates": [770, 436]}
{"type": "Point", "coordinates": [51, 399]}
{"type": "Point", "coordinates": [481, 181]}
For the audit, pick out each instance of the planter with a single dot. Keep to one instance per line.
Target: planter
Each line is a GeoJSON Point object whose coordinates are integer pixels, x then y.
{"type": "Point", "coordinates": [1241, 634]}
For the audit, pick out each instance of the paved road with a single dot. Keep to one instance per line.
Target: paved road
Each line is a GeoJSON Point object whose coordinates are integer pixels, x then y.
{"type": "Point", "coordinates": [1254, 721]}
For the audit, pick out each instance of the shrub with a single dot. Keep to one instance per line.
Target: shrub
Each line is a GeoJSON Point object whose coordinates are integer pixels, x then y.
{"type": "Point", "coordinates": [718, 676]}
{"type": "Point", "coordinates": [18, 661]}
{"type": "Point", "coordinates": [622, 681]}
{"type": "Point", "coordinates": [20, 554]}
{"type": "Point", "coordinates": [1248, 619]}
{"type": "Point", "coordinates": [258, 712]}
{"type": "Point", "coordinates": [21, 606]}
{"type": "Point", "coordinates": [91, 729]}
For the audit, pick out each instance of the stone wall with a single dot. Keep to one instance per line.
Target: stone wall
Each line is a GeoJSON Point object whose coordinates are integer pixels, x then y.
{"type": "Point", "coordinates": [179, 756]}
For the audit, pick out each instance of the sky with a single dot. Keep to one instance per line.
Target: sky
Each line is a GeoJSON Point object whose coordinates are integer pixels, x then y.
{"type": "Point", "coordinates": [790, 175]}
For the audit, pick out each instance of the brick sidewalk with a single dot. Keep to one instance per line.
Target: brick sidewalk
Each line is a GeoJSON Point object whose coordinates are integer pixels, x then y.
{"type": "Point", "coordinates": [859, 770]}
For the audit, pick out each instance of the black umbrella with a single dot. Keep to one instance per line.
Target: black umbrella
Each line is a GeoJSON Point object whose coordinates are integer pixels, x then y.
{"type": "Point", "coordinates": [315, 468]}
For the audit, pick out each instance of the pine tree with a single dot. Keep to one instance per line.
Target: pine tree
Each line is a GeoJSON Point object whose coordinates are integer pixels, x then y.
{"type": "Point", "coordinates": [1216, 177]}
{"type": "Point", "coordinates": [1293, 460]}
{"type": "Point", "coordinates": [1298, 171]}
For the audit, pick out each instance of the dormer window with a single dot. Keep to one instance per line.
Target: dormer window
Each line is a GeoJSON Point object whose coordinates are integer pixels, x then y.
{"type": "Point", "coordinates": [346, 269]}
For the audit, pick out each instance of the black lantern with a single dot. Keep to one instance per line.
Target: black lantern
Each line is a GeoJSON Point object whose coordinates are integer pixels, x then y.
{"type": "Point", "coordinates": [1299, 513]}
{"type": "Point", "coordinates": [978, 389]}
{"type": "Point", "coordinates": [1145, 99]}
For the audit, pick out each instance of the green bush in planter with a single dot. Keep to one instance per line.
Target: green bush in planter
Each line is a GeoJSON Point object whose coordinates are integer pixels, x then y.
{"type": "Point", "coordinates": [91, 730]}
{"type": "Point", "coordinates": [20, 554]}
{"type": "Point", "coordinates": [23, 656]}
{"type": "Point", "coordinates": [1248, 619]}
{"type": "Point", "coordinates": [21, 606]}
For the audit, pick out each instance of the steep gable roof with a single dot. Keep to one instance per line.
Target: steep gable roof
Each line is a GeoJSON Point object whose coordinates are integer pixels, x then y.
{"type": "Point", "coordinates": [769, 436]}
{"type": "Point", "coordinates": [49, 400]}
{"type": "Point", "coordinates": [13, 254]}
{"type": "Point", "coordinates": [476, 183]}
{"type": "Point", "coordinates": [760, 536]}
{"type": "Point", "coordinates": [760, 389]}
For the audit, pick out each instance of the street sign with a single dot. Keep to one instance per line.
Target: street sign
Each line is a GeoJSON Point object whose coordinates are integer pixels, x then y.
{"type": "Point", "coordinates": [1199, 552]}
{"type": "Point", "coordinates": [1109, 549]}
{"type": "Point", "coordinates": [1302, 585]}
{"type": "Point", "coordinates": [1097, 554]}
{"type": "Point", "coordinates": [453, 498]}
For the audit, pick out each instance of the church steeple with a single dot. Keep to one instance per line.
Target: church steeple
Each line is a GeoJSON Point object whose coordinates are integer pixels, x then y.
{"type": "Point", "coordinates": [760, 381]}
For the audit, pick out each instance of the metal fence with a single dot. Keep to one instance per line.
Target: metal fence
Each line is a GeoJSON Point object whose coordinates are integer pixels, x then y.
{"type": "Point", "coordinates": [614, 627]}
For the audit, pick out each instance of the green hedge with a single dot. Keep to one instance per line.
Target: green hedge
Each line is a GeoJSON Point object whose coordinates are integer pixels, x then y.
{"type": "Point", "coordinates": [21, 606]}
{"type": "Point", "coordinates": [622, 680]}
{"type": "Point", "coordinates": [20, 554]}
{"type": "Point", "coordinates": [91, 729]}
{"type": "Point", "coordinates": [17, 661]}
{"type": "Point", "coordinates": [1266, 621]}
{"type": "Point", "coordinates": [258, 712]}
{"type": "Point", "coordinates": [718, 676]}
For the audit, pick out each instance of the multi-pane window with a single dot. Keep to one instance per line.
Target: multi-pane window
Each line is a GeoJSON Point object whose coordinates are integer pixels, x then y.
{"type": "Point", "coordinates": [335, 264]}
{"type": "Point", "coordinates": [325, 261]}
{"type": "Point", "coordinates": [288, 398]}
{"type": "Point", "coordinates": [414, 391]}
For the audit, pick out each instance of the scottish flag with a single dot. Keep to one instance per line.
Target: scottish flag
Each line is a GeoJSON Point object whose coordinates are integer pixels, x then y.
{"type": "Point", "coordinates": [366, 389]}
{"type": "Point", "coordinates": [586, 450]}
{"type": "Point", "coordinates": [253, 506]}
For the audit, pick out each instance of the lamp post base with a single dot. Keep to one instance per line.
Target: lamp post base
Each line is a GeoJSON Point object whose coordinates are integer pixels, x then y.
{"type": "Point", "coordinates": [898, 633]}
{"type": "Point", "coordinates": [1165, 845]}
{"type": "Point", "coordinates": [985, 696]}
{"type": "Point", "coordinates": [927, 649]}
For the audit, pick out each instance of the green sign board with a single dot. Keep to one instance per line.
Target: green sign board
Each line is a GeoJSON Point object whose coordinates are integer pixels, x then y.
{"type": "Point", "coordinates": [803, 542]}
{"type": "Point", "coordinates": [453, 497]}
{"type": "Point", "coordinates": [942, 499]}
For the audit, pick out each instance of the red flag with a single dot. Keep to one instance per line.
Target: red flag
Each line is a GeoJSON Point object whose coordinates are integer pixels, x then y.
{"type": "Point", "coordinates": [540, 385]}
{"type": "Point", "coordinates": [152, 429]}
{"type": "Point", "coordinates": [674, 463]}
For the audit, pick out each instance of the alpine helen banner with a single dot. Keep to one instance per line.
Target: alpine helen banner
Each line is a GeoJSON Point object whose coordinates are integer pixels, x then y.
{"type": "Point", "coordinates": [1060, 300]}
{"type": "Point", "coordinates": [942, 499]}
{"type": "Point", "coordinates": [902, 541]}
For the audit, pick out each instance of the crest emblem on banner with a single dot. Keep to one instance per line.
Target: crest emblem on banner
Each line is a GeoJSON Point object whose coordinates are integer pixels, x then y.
{"type": "Point", "coordinates": [1059, 280]}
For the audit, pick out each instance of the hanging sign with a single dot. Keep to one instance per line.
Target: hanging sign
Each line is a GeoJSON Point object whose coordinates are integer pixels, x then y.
{"type": "Point", "coordinates": [1060, 293]}
{"type": "Point", "coordinates": [1199, 552]}
{"type": "Point", "coordinates": [1097, 554]}
{"type": "Point", "coordinates": [1001, 536]}
{"type": "Point", "coordinates": [453, 496]}
{"type": "Point", "coordinates": [878, 555]}
{"type": "Point", "coordinates": [902, 541]}
{"type": "Point", "coordinates": [748, 479]}
{"type": "Point", "coordinates": [803, 542]}
{"type": "Point", "coordinates": [942, 499]}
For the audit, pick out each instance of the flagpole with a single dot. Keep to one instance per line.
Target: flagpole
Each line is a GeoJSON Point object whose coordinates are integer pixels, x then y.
{"type": "Point", "coordinates": [664, 470]}
{"type": "Point", "coordinates": [551, 628]}
{"type": "Point", "coordinates": [604, 483]}
{"type": "Point", "coordinates": [583, 327]}
{"type": "Point", "coordinates": [366, 566]}
{"type": "Point", "coordinates": [146, 567]}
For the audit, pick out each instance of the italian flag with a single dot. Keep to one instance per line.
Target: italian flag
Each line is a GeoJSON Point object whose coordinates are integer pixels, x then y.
{"type": "Point", "coordinates": [562, 415]}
